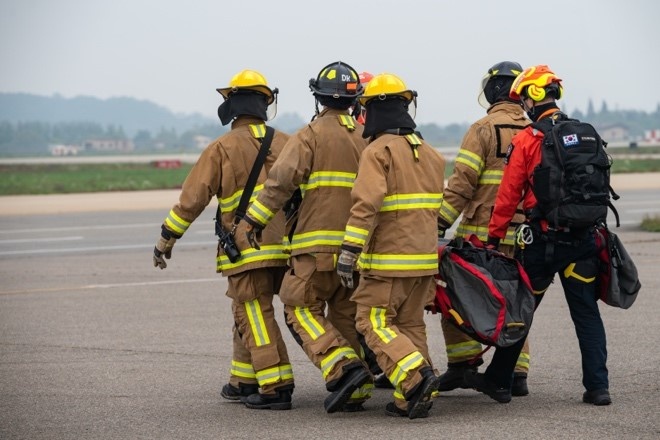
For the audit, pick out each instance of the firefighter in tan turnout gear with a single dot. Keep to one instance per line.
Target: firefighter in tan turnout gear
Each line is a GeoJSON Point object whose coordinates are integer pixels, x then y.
{"type": "Point", "coordinates": [321, 160]}
{"type": "Point", "coordinates": [393, 232]}
{"type": "Point", "coordinates": [471, 190]}
{"type": "Point", "coordinates": [260, 358]}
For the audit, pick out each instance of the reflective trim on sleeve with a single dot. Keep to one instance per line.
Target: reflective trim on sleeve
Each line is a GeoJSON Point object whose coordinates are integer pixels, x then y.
{"type": "Point", "coordinates": [470, 159]}
{"type": "Point", "coordinates": [260, 213]}
{"type": "Point", "coordinates": [491, 177]}
{"type": "Point", "coordinates": [176, 223]}
{"type": "Point", "coordinates": [448, 212]}
{"type": "Point", "coordinates": [482, 233]}
{"type": "Point", "coordinates": [398, 262]}
{"type": "Point", "coordinates": [356, 235]}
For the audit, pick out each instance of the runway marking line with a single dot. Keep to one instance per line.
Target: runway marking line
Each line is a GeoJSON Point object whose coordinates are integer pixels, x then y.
{"type": "Point", "coordinates": [107, 286]}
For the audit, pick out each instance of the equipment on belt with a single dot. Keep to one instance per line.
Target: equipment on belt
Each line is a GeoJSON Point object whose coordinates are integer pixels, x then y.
{"type": "Point", "coordinates": [618, 280]}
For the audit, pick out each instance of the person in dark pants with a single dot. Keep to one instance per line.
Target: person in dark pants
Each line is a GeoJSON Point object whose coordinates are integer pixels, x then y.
{"type": "Point", "coordinates": [544, 248]}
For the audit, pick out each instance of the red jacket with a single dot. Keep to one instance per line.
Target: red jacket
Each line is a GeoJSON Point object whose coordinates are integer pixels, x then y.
{"type": "Point", "coordinates": [517, 181]}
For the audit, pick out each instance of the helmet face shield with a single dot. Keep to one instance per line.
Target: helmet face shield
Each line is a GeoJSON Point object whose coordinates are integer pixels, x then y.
{"type": "Point", "coordinates": [412, 107]}
{"type": "Point", "coordinates": [481, 99]}
{"type": "Point", "coordinates": [271, 111]}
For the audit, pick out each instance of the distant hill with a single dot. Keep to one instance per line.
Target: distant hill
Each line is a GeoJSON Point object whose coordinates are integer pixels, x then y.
{"type": "Point", "coordinates": [131, 114]}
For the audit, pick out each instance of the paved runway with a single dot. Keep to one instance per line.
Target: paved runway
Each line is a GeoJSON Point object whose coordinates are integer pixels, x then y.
{"type": "Point", "coordinates": [95, 343]}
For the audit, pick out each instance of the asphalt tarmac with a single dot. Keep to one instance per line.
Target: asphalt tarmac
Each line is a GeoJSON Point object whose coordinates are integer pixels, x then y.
{"type": "Point", "coordinates": [96, 343]}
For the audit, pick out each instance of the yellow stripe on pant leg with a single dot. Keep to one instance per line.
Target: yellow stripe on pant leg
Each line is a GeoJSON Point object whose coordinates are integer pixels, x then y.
{"type": "Point", "coordinates": [313, 328]}
{"type": "Point", "coordinates": [256, 318]}
{"type": "Point", "coordinates": [378, 320]}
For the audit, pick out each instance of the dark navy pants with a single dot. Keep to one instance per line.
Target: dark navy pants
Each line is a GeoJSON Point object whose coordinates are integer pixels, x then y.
{"type": "Point", "coordinates": [575, 259]}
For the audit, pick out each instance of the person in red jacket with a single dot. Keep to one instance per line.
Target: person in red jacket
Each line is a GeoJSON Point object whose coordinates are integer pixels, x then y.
{"type": "Point", "coordinates": [545, 251]}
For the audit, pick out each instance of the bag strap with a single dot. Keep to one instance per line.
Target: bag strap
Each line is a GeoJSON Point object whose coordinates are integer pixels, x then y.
{"type": "Point", "coordinates": [254, 175]}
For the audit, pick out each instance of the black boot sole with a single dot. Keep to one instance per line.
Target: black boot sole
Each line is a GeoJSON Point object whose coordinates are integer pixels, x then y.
{"type": "Point", "coordinates": [335, 401]}
{"type": "Point", "coordinates": [421, 408]}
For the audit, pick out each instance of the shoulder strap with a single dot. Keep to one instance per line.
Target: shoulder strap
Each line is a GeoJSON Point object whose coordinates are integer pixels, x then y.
{"type": "Point", "coordinates": [254, 174]}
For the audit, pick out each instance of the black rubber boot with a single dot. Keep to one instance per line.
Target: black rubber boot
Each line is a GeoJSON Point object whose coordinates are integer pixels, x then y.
{"type": "Point", "coordinates": [231, 392]}
{"type": "Point", "coordinates": [279, 401]}
{"type": "Point", "coordinates": [419, 397]}
{"type": "Point", "coordinates": [519, 387]}
{"type": "Point", "coordinates": [355, 375]}
{"type": "Point", "coordinates": [479, 382]}
{"type": "Point", "coordinates": [453, 377]}
{"type": "Point", "coordinates": [597, 397]}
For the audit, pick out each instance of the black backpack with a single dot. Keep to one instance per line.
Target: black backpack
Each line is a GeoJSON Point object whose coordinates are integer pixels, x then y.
{"type": "Point", "coordinates": [572, 182]}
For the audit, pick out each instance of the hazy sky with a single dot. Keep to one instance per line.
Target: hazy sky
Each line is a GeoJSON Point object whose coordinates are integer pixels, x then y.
{"type": "Point", "coordinates": [175, 53]}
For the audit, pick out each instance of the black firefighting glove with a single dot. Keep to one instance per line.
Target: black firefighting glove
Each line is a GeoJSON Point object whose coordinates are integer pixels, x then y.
{"type": "Point", "coordinates": [163, 248]}
{"type": "Point", "coordinates": [346, 266]}
{"type": "Point", "coordinates": [253, 232]}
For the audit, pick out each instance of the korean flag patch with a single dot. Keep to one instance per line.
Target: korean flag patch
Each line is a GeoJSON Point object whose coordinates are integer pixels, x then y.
{"type": "Point", "coordinates": [570, 140]}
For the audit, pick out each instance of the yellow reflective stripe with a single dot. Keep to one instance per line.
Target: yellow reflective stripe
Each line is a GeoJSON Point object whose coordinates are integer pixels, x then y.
{"type": "Point", "coordinates": [258, 130]}
{"type": "Point", "coordinates": [482, 233]}
{"type": "Point", "coordinates": [317, 238]}
{"type": "Point", "coordinates": [491, 177]}
{"type": "Point", "coordinates": [539, 292]}
{"type": "Point", "coordinates": [257, 323]}
{"type": "Point", "coordinates": [269, 375]}
{"type": "Point", "coordinates": [251, 255]}
{"type": "Point", "coordinates": [313, 328]}
{"type": "Point", "coordinates": [569, 272]}
{"type": "Point", "coordinates": [335, 356]}
{"type": "Point", "coordinates": [448, 212]}
{"type": "Point", "coordinates": [229, 204]}
{"type": "Point", "coordinates": [523, 361]}
{"type": "Point", "coordinates": [398, 394]}
{"type": "Point", "coordinates": [356, 235]}
{"type": "Point", "coordinates": [470, 159]}
{"type": "Point", "coordinates": [378, 324]}
{"type": "Point", "coordinates": [241, 369]}
{"type": "Point", "coordinates": [347, 121]}
{"type": "Point", "coordinates": [176, 223]}
{"type": "Point", "coordinates": [398, 262]}
{"type": "Point", "coordinates": [259, 212]}
{"type": "Point", "coordinates": [413, 139]}
{"type": "Point", "coordinates": [403, 366]}
{"type": "Point", "coordinates": [463, 349]}
{"type": "Point", "coordinates": [364, 392]}
{"type": "Point", "coordinates": [286, 371]}
{"type": "Point", "coordinates": [411, 201]}
{"type": "Point", "coordinates": [328, 178]}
